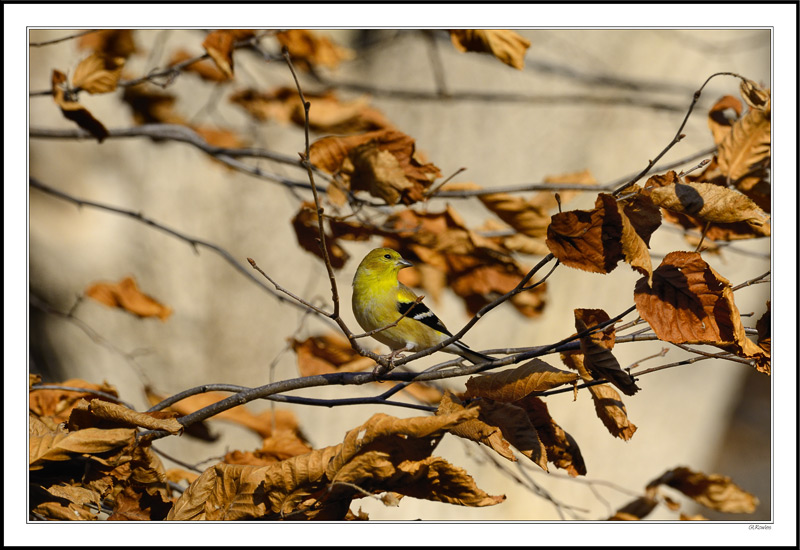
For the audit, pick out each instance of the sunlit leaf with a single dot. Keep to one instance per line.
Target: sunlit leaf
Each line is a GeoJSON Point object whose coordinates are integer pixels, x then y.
{"type": "Point", "coordinates": [507, 46]}
{"type": "Point", "coordinates": [126, 295]}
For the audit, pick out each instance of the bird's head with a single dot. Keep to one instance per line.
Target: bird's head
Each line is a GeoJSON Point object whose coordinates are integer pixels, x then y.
{"type": "Point", "coordinates": [382, 260]}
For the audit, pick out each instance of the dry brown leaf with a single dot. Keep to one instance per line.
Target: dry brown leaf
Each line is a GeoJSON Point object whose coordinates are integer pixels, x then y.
{"type": "Point", "coordinates": [517, 429]}
{"type": "Point", "coordinates": [219, 137]}
{"type": "Point", "coordinates": [384, 454]}
{"type": "Point", "coordinates": [60, 446]}
{"type": "Point", "coordinates": [58, 404]}
{"type": "Point", "coordinates": [132, 504]}
{"type": "Point", "coordinates": [58, 511]}
{"type": "Point", "coordinates": [637, 509]}
{"type": "Point", "coordinates": [719, 124]}
{"type": "Point", "coordinates": [259, 423]}
{"type": "Point", "coordinates": [74, 111]}
{"type": "Point", "coordinates": [476, 429]}
{"type": "Point", "coordinates": [693, 517]}
{"type": "Point", "coordinates": [476, 268]}
{"type": "Point", "coordinates": [712, 491]}
{"type": "Point", "coordinates": [514, 384]}
{"type": "Point", "coordinates": [127, 296]}
{"type": "Point", "coordinates": [98, 74]}
{"type": "Point", "coordinates": [204, 68]}
{"type": "Point", "coordinates": [708, 202]}
{"type": "Point", "coordinates": [531, 217]}
{"type": "Point", "coordinates": [328, 353]}
{"type": "Point", "coordinates": [176, 475]}
{"type": "Point", "coordinates": [384, 163]}
{"type": "Point", "coordinates": [611, 410]}
{"type": "Point", "coordinates": [754, 95]}
{"type": "Point", "coordinates": [109, 42]}
{"type": "Point", "coordinates": [150, 105]}
{"type": "Point", "coordinates": [506, 45]}
{"type": "Point", "coordinates": [562, 449]}
{"type": "Point", "coordinates": [280, 446]}
{"type": "Point", "coordinates": [327, 112]}
{"type": "Point", "coordinates": [524, 216]}
{"type": "Point", "coordinates": [744, 154]}
{"type": "Point", "coordinates": [691, 303]}
{"type": "Point", "coordinates": [597, 356]}
{"type": "Point", "coordinates": [307, 49]}
{"type": "Point", "coordinates": [306, 229]}
{"type": "Point", "coordinates": [641, 212]}
{"type": "Point", "coordinates": [596, 240]}
{"type": "Point", "coordinates": [715, 231]}
{"type": "Point", "coordinates": [120, 414]}
{"type": "Point", "coordinates": [526, 245]}
{"type": "Point", "coordinates": [219, 45]}
{"type": "Point", "coordinates": [80, 496]}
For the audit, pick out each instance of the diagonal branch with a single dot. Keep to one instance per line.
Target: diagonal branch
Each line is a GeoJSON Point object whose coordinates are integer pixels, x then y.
{"type": "Point", "coordinates": [193, 241]}
{"type": "Point", "coordinates": [184, 134]}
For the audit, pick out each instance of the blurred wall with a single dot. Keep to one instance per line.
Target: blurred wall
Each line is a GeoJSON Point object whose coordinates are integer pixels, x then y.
{"type": "Point", "coordinates": [597, 90]}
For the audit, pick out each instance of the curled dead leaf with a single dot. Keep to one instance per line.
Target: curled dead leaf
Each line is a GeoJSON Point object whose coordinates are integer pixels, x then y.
{"type": "Point", "coordinates": [384, 454]}
{"type": "Point", "coordinates": [713, 491]}
{"type": "Point", "coordinates": [708, 202]}
{"type": "Point", "coordinates": [127, 296]}
{"type": "Point", "coordinates": [328, 353]}
{"type": "Point", "coordinates": [597, 356]}
{"type": "Point", "coordinates": [204, 68]}
{"type": "Point", "coordinates": [98, 74]}
{"type": "Point", "coordinates": [385, 163]}
{"type": "Point", "coordinates": [562, 449]}
{"type": "Point", "coordinates": [151, 106]}
{"type": "Point", "coordinates": [744, 154]}
{"type": "Point", "coordinates": [327, 112]}
{"type": "Point", "coordinates": [513, 384]}
{"type": "Point", "coordinates": [306, 229]}
{"type": "Point", "coordinates": [308, 49]}
{"type": "Point", "coordinates": [60, 446]}
{"type": "Point", "coordinates": [220, 44]}
{"type": "Point", "coordinates": [720, 121]}
{"type": "Point", "coordinates": [74, 111]}
{"type": "Point", "coordinates": [596, 240]}
{"type": "Point", "coordinates": [109, 42]}
{"type": "Point", "coordinates": [689, 302]}
{"type": "Point", "coordinates": [611, 410]}
{"type": "Point", "coordinates": [506, 45]}
{"type": "Point", "coordinates": [120, 414]}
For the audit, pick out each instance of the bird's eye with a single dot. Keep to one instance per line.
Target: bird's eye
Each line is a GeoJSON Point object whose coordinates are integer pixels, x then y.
{"type": "Point", "coordinates": [387, 256]}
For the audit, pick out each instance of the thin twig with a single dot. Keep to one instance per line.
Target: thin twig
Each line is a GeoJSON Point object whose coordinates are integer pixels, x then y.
{"type": "Point", "coordinates": [184, 134]}
{"type": "Point", "coordinates": [177, 460]}
{"type": "Point", "coordinates": [305, 159]}
{"type": "Point", "coordinates": [753, 281]}
{"type": "Point", "coordinates": [96, 337]}
{"type": "Point", "coordinates": [62, 39]}
{"type": "Point", "coordinates": [544, 186]}
{"type": "Point", "coordinates": [192, 241]}
{"type": "Point", "coordinates": [678, 135]}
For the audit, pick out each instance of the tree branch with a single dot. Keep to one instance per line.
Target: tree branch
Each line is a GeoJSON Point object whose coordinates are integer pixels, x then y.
{"type": "Point", "coordinates": [192, 241]}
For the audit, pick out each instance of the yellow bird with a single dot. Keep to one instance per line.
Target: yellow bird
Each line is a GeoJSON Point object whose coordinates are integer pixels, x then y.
{"type": "Point", "coordinates": [379, 299]}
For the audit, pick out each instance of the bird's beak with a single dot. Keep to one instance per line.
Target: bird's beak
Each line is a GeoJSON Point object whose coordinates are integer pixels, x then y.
{"type": "Point", "coordinates": [404, 263]}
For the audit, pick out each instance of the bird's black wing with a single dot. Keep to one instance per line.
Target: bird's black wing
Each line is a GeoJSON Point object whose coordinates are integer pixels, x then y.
{"type": "Point", "coordinates": [421, 313]}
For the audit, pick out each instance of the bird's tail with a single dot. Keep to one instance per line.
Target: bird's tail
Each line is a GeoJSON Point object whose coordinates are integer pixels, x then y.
{"type": "Point", "coordinates": [463, 350]}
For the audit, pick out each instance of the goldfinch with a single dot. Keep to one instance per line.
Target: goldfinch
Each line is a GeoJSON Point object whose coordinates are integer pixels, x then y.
{"type": "Point", "coordinates": [379, 299]}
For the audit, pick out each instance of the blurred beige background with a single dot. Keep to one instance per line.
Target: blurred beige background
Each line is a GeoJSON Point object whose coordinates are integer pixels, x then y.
{"type": "Point", "coordinates": [712, 417]}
